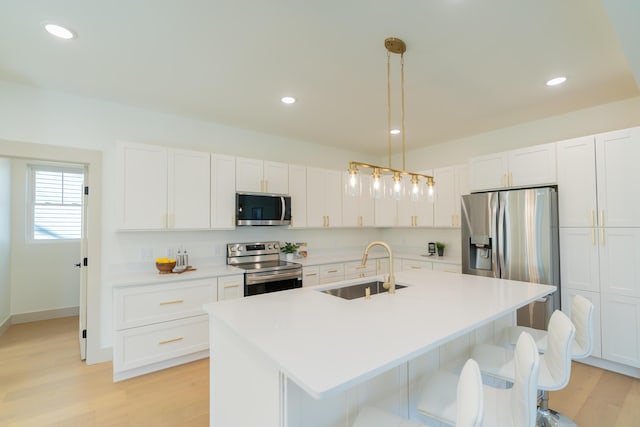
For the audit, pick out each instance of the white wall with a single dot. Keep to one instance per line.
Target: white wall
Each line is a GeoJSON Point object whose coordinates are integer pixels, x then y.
{"type": "Point", "coordinates": [43, 276]}
{"type": "Point", "coordinates": [5, 239]}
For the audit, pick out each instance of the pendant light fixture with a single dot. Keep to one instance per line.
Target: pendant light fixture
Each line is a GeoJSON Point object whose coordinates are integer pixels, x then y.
{"type": "Point", "coordinates": [397, 190]}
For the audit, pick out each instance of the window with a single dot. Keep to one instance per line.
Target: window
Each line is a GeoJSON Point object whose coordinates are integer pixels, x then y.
{"type": "Point", "coordinates": [56, 200]}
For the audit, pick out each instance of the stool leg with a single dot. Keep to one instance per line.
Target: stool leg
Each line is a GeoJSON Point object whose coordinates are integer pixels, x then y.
{"type": "Point", "coordinates": [548, 417]}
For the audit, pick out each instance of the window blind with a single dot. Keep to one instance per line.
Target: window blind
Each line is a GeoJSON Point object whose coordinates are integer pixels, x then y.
{"type": "Point", "coordinates": [57, 202]}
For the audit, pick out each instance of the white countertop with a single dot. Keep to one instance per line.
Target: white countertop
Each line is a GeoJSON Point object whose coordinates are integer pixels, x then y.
{"type": "Point", "coordinates": [326, 344]}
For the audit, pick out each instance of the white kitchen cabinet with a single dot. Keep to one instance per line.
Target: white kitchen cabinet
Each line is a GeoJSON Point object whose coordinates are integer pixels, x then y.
{"type": "Point", "coordinates": [163, 188]}
{"type": "Point", "coordinates": [231, 287]}
{"type": "Point", "coordinates": [567, 299]}
{"type": "Point", "coordinates": [142, 186]}
{"type": "Point", "coordinates": [324, 198]}
{"type": "Point", "coordinates": [330, 273]}
{"type": "Point", "coordinates": [535, 165]}
{"type": "Point", "coordinates": [223, 192]}
{"type": "Point", "coordinates": [357, 210]}
{"type": "Point", "coordinates": [418, 213]}
{"type": "Point", "coordinates": [160, 325]}
{"type": "Point", "coordinates": [579, 261]}
{"type": "Point", "coordinates": [621, 329]}
{"type": "Point", "coordinates": [385, 207]}
{"type": "Point", "coordinates": [261, 176]}
{"type": "Point", "coordinates": [620, 261]}
{"type": "Point", "coordinates": [451, 183]}
{"type": "Point", "coordinates": [189, 189]}
{"type": "Point", "coordinates": [617, 155]}
{"type": "Point", "coordinates": [355, 270]}
{"type": "Point", "coordinates": [298, 193]}
{"type": "Point", "coordinates": [310, 275]}
{"type": "Point", "coordinates": [577, 182]}
{"type": "Point", "coordinates": [410, 264]}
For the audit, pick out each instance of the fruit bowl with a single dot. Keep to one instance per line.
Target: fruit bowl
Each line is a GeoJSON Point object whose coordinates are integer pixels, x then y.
{"type": "Point", "coordinates": [165, 267]}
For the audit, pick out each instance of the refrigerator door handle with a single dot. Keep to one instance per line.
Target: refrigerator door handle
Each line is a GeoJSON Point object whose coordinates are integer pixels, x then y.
{"type": "Point", "coordinates": [501, 264]}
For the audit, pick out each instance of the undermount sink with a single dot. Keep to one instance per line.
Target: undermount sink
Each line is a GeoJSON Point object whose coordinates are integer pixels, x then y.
{"type": "Point", "coordinates": [358, 290]}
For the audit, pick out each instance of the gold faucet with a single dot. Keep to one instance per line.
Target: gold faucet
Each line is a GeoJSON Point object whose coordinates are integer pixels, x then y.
{"type": "Point", "coordinates": [391, 283]}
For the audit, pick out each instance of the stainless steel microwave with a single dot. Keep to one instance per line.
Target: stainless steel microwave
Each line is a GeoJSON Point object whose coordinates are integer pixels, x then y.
{"type": "Point", "coordinates": [262, 209]}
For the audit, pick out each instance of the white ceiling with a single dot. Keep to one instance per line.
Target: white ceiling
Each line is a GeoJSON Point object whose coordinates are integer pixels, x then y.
{"type": "Point", "coordinates": [471, 65]}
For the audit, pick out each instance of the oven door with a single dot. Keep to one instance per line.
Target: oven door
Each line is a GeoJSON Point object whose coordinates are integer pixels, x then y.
{"type": "Point", "coordinates": [271, 281]}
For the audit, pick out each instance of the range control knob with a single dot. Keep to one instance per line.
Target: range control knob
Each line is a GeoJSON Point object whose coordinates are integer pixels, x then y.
{"type": "Point", "coordinates": [276, 246]}
{"type": "Point", "coordinates": [238, 248]}
{"type": "Point", "coordinates": [269, 246]}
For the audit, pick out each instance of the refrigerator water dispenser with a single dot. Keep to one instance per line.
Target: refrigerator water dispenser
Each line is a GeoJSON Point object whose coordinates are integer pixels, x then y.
{"type": "Point", "coordinates": [480, 252]}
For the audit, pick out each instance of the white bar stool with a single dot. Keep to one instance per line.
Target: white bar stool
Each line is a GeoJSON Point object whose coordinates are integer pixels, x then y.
{"type": "Point", "coordinates": [501, 407]}
{"type": "Point", "coordinates": [466, 392]}
{"type": "Point", "coordinates": [582, 318]}
{"type": "Point", "coordinates": [555, 363]}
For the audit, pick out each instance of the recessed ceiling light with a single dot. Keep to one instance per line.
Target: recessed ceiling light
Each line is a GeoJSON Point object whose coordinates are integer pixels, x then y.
{"type": "Point", "coordinates": [556, 81]}
{"type": "Point", "coordinates": [59, 31]}
{"type": "Point", "coordinates": [394, 131]}
{"type": "Point", "coordinates": [288, 99]}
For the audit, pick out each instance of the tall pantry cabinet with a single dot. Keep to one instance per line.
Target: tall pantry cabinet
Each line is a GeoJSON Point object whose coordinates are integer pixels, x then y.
{"type": "Point", "coordinates": [599, 216]}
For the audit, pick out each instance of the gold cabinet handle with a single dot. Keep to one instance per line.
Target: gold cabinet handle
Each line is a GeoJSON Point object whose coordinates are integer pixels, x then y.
{"type": "Point", "coordinates": [231, 286]}
{"type": "Point", "coordinates": [602, 218]}
{"type": "Point", "coordinates": [311, 274]}
{"type": "Point", "coordinates": [328, 221]}
{"type": "Point", "coordinates": [266, 185]}
{"type": "Point", "coordinates": [175, 301]}
{"type": "Point", "coordinates": [332, 271]}
{"type": "Point", "coordinates": [510, 179]}
{"type": "Point", "coordinates": [171, 340]}
{"type": "Point", "coordinates": [593, 217]}
{"type": "Point", "coordinates": [163, 219]}
{"type": "Point", "coordinates": [593, 236]}
{"type": "Point", "coordinates": [602, 237]}
{"type": "Point", "coordinates": [415, 267]}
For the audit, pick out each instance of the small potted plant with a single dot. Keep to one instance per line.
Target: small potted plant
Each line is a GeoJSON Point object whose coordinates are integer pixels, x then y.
{"type": "Point", "coordinates": [288, 249]}
{"type": "Point", "coordinates": [440, 247]}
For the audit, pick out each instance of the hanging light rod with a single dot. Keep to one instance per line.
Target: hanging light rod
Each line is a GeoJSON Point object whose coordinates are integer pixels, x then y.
{"type": "Point", "coordinates": [396, 46]}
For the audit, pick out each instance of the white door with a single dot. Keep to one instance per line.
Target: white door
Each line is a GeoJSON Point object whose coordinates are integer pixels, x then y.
{"type": "Point", "coordinates": [276, 178]}
{"type": "Point", "coordinates": [488, 172]}
{"type": "Point", "coordinates": [189, 180]}
{"type": "Point", "coordinates": [620, 325]}
{"type": "Point", "coordinates": [82, 308]}
{"type": "Point", "coordinates": [579, 266]}
{"type": "Point", "coordinates": [532, 165]}
{"type": "Point", "coordinates": [223, 192]}
{"type": "Point", "coordinates": [445, 197]}
{"type": "Point", "coordinates": [620, 261]}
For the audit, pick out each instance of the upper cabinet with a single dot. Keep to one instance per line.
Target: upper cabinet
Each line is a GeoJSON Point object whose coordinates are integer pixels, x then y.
{"type": "Point", "coordinates": [223, 191]}
{"type": "Point", "coordinates": [385, 208]}
{"type": "Point", "coordinates": [450, 184]}
{"type": "Point", "coordinates": [162, 188]}
{"type": "Point", "coordinates": [324, 198]}
{"type": "Point", "coordinates": [418, 213]}
{"type": "Point", "coordinates": [189, 189]}
{"type": "Point", "coordinates": [298, 193]}
{"type": "Point", "coordinates": [261, 176]}
{"type": "Point", "coordinates": [525, 167]}
{"type": "Point", "coordinates": [596, 187]}
{"type": "Point", "coordinates": [617, 155]}
{"type": "Point", "coordinates": [577, 182]}
{"type": "Point", "coordinates": [357, 210]}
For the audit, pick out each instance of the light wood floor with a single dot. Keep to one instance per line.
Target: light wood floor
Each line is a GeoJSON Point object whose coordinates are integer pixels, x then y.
{"type": "Point", "coordinates": [42, 383]}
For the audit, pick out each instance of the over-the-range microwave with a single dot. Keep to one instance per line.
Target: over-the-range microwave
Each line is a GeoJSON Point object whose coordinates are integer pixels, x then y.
{"type": "Point", "coordinates": [262, 209]}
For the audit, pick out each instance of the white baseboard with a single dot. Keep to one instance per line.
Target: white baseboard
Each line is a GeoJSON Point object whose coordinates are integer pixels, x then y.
{"type": "Point", "coordinates": [36, 316]}
{"type": "Point", "coordinates": [124, 375]}
{"type": "Point", "coordinates": [4, 325]}
{"type": "Point", "coordinates": [611, 366]}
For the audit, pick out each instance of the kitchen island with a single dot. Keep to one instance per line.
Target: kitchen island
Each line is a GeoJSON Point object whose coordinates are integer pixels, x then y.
{"type": "Point", "coordinates": [306, 358]}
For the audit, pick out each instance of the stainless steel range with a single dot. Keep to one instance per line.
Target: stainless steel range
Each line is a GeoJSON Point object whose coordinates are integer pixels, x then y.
{"type": "Point", "coordinates": [264, 271]}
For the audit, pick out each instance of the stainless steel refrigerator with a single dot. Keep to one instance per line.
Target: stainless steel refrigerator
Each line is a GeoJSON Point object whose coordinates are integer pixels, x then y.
{"type": "Point", "coordinates": [514, 235]}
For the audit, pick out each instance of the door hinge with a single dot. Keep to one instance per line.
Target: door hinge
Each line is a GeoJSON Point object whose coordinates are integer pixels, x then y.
{"type": "Point", "coordinates": [86, 190]}
{"type": "Point", "coordinates": [84, 333]}
{"type": "Point", "coordinates": [85, 261]}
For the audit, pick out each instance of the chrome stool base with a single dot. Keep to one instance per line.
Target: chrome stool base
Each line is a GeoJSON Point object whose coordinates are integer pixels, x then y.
{"type": "Point", "coordinates": [551, 418]}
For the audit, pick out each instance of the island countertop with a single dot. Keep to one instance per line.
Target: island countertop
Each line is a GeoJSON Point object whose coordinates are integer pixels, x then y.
{"type": "Point", "coordinates": [326, 344]}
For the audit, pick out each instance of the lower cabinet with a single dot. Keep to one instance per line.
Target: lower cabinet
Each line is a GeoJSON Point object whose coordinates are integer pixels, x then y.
{"type": "Point", "coordinates": [330, 273]}
{"type": "Point", "coordinates": [230, 287]}
{"type": "Point", "coordinates": [409, 264]}
{"type": "Point", "coordinates": [310, 276]}
{"type": "Point", "coordinates": [620, 329]}
{"type": "Point", "coordinates": [355, 270]}
{"type": "Point", "coordinates": [158, 326]}
{"type": "Point", "coordinates": [449, 268]}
